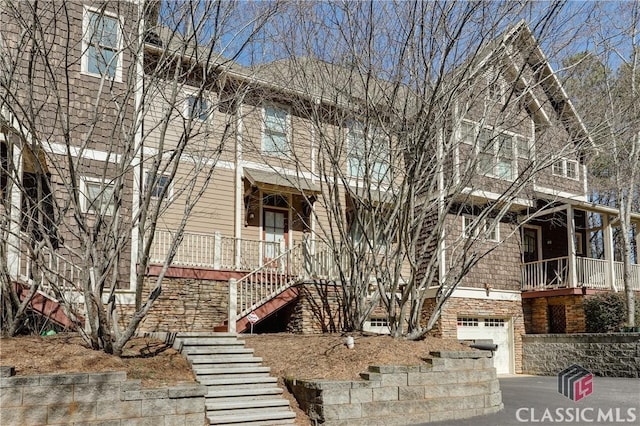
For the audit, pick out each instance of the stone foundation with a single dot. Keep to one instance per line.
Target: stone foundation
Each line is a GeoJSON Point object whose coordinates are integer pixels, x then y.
{"type": "Point", "coordinates": [186, 304]}
{"type": "Point", "coordinates": [451, 385]}
{"type": "Point", "coordinates": [318, 308]}
{"type": "Point", "coordinates": [608, 355]}
{"type": "Point", "coordinates": [96, 398]}
{"type": "Point", "coordinates": [539, 310]}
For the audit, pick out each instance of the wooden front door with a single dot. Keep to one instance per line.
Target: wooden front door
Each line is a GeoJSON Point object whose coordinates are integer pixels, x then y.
{"type": "Point", "coordinates": [275, 232]}
{"type": "Point", "coordinates": [530, 244]}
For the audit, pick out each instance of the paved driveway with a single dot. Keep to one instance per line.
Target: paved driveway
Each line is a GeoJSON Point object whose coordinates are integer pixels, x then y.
{"type": "Point", "coordinates": [535, 400]}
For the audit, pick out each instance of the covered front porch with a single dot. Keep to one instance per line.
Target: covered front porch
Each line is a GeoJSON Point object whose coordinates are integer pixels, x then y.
{"type": "Point", "coordinates": [572, 246]}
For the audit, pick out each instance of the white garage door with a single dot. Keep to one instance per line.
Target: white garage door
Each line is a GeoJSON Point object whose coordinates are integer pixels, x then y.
{"type": "Point", "coordinates": [496, 329]}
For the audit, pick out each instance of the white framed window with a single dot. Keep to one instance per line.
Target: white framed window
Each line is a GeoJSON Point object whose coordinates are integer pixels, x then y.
{"type": "Point", "coordinates": [565, 168]}
{"type": "Point", "coordinates": [275, 131]}
{"type": "Point", "coordinates": [523, 146]}
{"type": "Point", "coordinates": [157, 188]}
{"type": "Point", "coordinates": [579, 243]}
{"type": "Point", "coordinates": [468, 132]}
{"type": "Point", "coordinates": [97, 196]}
{"type": "Point", "coordinates": [368, 227]}
{"type": "Point", "coordinates": [198, 107]}
{"type": "Point", "coordinates": [484, 229]}
{"type": "Point", "coordinates": [367, 152]}
{"type": "Point", "coordinates": [101, 44]}
{"type": "Point", "coordinates": [495, 87]}
{"type": "Point", "coordinates": [497, 155]}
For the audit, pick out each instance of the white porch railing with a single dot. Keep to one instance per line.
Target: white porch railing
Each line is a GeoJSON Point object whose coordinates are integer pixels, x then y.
{"type": "Point", "coordinates": [591, 273]}
{"type": "Point", "coordinates": [214, 251]}
{"type": "Point", "coordinates": [265, 283]}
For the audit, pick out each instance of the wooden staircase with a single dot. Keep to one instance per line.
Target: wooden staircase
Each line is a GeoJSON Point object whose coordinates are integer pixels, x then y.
{"type": "Point", "coordinates": [240, 389]}
{"type": "Point", "coordinates": [271, 287]}
{"type": "Point", "coordinates": [47, 306]}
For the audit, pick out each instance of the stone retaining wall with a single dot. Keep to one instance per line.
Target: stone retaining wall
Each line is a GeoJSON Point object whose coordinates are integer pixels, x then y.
{"type": "Point", "coordinates": [96, 399]}
{"type": "Point", "coordinates": [451, 385]}
{"type": "Point", "coordinates": [609, 355]}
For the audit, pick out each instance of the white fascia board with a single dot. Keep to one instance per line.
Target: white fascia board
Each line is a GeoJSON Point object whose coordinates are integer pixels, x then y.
{"type": "Point", "coordinates": [150, 152]}
{"type": "Point", "coordinates": [481, 293]}
{"type": "Point", "coordinates": [478, 293]}
{"type": "Point", "coordinates": [122, 298]}
{"type": "Point", "coordinates": [89, 154]}
{"type": "Point", "coordinates": [281, 170]}
{"type": "Point", "coordinates": [560, 194]}
{"type": "Point", "coordinates": [494, 196]}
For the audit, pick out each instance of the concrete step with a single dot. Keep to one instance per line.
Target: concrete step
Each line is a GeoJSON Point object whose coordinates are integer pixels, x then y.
{"type": "Point", "coordinates": [216, 350]}
{"type": "Point", "coordinates": [219, 392]}
{"type": "Point", "coordinates": [259, 416]}
{"type": "Point", "coordinates": [236, 403]}
{"type": "Point", "coordinates": [229, 370]}
{"type": "Point", "coordinates": [211, 341]}
{"type": "Point", "coordinates": [224, 359]}
{"type": "Point", "coordinates": [239, 388]}
{"type": "Point", "coordinates": [234, 380]}
{"type": "Point", "coordinates": [266, 422]}
{"type": "Point", "coordinates": [191, 334]}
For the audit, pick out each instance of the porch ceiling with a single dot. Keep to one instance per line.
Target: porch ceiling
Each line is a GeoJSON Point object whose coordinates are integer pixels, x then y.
{"type": "Point", "coordinates": [262, 178]}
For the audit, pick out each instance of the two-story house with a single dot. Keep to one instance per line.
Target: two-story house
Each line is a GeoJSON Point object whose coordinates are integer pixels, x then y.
{"type": "Point", "coordinates": [269, 172]}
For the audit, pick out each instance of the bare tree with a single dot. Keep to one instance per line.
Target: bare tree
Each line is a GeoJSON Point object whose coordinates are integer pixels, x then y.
{"type": "Point", "coordinates": [109, 123]}
{"type": "Point", "coordinates": [611, 96]}
{"type": "Point", "coordinates": [413, 112]}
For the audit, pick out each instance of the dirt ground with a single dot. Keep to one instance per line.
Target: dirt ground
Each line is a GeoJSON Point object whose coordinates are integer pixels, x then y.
{"type": "Point", "coordinates": [156, 365]}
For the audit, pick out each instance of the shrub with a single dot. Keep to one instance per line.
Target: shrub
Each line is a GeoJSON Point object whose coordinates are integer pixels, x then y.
{"type": "Point", "coordinates": [604, 312]}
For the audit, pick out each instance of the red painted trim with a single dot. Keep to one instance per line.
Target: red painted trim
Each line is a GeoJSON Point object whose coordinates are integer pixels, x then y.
{"type": "Point", "coordinates": [272, 306]}
{"type": "Point", "coordinates": [196, 273]}
{"type": "Point", "coordinates": [560, 292]}
{"type": "Point", "coordinates": [46, 307]}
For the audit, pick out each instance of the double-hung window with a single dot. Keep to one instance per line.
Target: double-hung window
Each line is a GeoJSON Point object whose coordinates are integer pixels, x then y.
{"type": "Point", "coordinates": [101, 45]}
{"type": "Point", "coordinates": [565, 168]}
{"type": "Point", "coordinates": [370, 227]}
{"type": "Point", "coordinates": [275, 137]}
{"type": "Point", "coordinates": [496, 155]}
{"type": "Point", "coordinates": [482, 229]}
{"type": "Point", "coordinates": [368, 151]}
{"type": "Point", "coordinates": [97, 196]}
{"type": "Point", "coordinates": [198, 107]}
{"type": "Point", "coordinates": [161, 188]}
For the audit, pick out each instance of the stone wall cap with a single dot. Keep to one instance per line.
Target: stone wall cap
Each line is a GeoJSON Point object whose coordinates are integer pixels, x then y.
{"type": "Point", "coordinates": [320, 383]}
{"type": "Point", "coordinates": [187, 391]}
{"type": "Point", "coordinates": [462, 354]}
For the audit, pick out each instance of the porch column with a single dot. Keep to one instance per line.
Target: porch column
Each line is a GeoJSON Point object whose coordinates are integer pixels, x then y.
{"type": "Point", "coordinates": [571, 235]}
{"type": "Point", "coordinates": [608, 251]}
{"type": "Point", "coordinates": [13, 240]}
